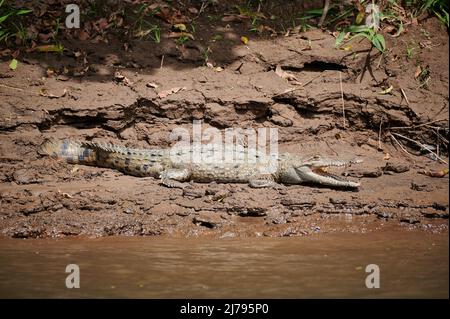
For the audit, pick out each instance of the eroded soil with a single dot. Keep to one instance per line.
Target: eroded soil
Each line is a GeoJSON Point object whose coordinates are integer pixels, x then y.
{"type": "Point", "coordinates": [40, 197]}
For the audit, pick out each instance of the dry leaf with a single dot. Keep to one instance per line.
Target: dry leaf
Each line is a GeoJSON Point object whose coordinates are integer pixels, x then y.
{"type": "Point", "coordinates": [234, 18]}
{"type": "Point", "coordinates": [83, 35]}
{"type": "Point", "coordinates": [244, 40]}
{"type": "Point", "coordinates": [285, 75]}
{"type": "Point", "coordinates": [152, 85]}
{"type": "Point", "coordinates": [440, 173]}
{"type": "Point", "coordinates": [180, 34]}
{"type": "Point", "coordinates": [193, 10]}
{"type": "Point", "coordinates": [119, 77]}
{"type": "Point", "coordinates": [166, 93]}
{"type": "Point", "coordinates": [387, 91]}
{"type": "Point", "coordinates": [418, 71]}
{"type": "Point", "coordinates": [50, 48]}
{"type": "Point", "coordinates": [180, 26]}
{"type": "Point", "coordinates": [43, 92]}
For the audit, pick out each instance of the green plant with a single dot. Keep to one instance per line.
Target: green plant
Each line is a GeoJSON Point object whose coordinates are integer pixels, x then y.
{"type": "Point", "coordinates": [370, 34]}
{"type": "Point", "coordinates": [182, 40]}
{"type": "Point", "coordinates": [255, 24]}
{"type": "Point", "coordinates": [205, 55]}
{"type": "Point", "coordinates": [409, 52]}
{"type": "Point", "coordinates": [7, 14]}
{"type": "Point", "coordinates": [439, 8]}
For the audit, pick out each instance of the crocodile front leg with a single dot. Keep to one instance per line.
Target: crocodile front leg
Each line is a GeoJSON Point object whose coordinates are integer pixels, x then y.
{"type": "Point", "coordinates": [174, 177]}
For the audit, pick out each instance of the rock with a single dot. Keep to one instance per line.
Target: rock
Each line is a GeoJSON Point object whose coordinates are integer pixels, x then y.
{"type": "Point", "coordinates": [294, 203]}
{"type": "Point", "coordinates": [396, 168]}
{"type": "Point", "coordinates": [26, 176]}
{"type": "Point", "coordinates": [359, 173]}
{"type": "Point", "coordinates": [193, 192]}
{"type": "Point", "coordinates": [208, 219]}
{"type": "Point", "coordinates": [228, 234]}
{"type": "Point", "coordinates": [251, 211]}
{"type": "Point", "coordinates": [419, 188]}
{"type": "Point", "coordinates": [283, 114]}
{"type": "Point", "coordinates": [281, 121]}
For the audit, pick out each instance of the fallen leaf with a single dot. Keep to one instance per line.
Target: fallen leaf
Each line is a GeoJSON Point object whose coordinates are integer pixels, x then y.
{"type": "Point", "coordinates": [440, 173]}
{"type": "Point", "coordinates": [50, 48]}
{"type": "Point", "coordinates": [285, 75]}
{"type": "Point", "coordinates": [193, 10]}
{"type": "Point", "coordinates": [168, 14]}
{"type": "Point", "coordinates": [83, 35]}
{"type": "Point", "coordinates": [387, 91]}
{"type": "Point", "coordinates": [180, 26]}
{"type": "Point", "coordinates": [101, 24]}
{"type": "Point", "coordinates": [234, 18]}
{"type": "Point", "coordinates": [13, 64]}
{"type": "Point", "coordinates": [244, 40]}
{"type": "Point", "coordinates": [418, 71]}
{"type": "Point", "coordinates": [152, 85]}
{"type": "Point", "coordinates": [166, 93]}
{"type": "Point", "coordinates": [5, 52]}
{"type": "Point", "coordinates": [119, 77]}
{"type": "Point", "coordinates": [347, 47]}
{"type": "Point", "coordinates": [180, 34]}
{"type": "Point", "coordinates": [43, 92]}
{"type": "Point", "coordinates": [50, 72]}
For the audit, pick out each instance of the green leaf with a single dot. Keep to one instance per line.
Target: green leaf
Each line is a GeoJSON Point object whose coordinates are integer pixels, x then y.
{"type": "Point", "coordinates": [340, 38]}
{"type": "Point", "coordinates": [13, 64]}
{"type": "Point", "coordinates": [23, 11]}
{"type": "Point", "coordinates": [3, 18]}
{"type": "Point", "coordinates": [359, 17]}
{"type": "Point", "coordinates": [358, 28]}
{"type": "Point", "coordinates": [379, 43]}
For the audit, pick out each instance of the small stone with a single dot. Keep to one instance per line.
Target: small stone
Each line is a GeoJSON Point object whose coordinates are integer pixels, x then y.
{"type": "Point", "coordinates": [396, 168]}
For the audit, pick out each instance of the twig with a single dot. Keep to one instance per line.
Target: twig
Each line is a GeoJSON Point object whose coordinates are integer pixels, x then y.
{"type": "Point", "coordinates": [418, 125]}
{"type": "Point", "coordinates": [11, 87]}
{"type": "Point", "coordinates": [379, 61]}
{"type": "Point", "coordinates": [162, 61]}
{"type": "Point", "coordinates": [421, 145]}
{"type": "Point", "coordinates": [404, 95]}
{"type": "Point", "coordinates": [336, 153]}
{"type": "Point", "coordinates": [342, 97]}
{"type": "Point", "coordinates": [310, 80]}
{"type": "Point", "coordinates": [399, 144]}
{"type": "Point", "coordinates": [379, 135]}
{"type": "Point", "coordinates": [300, 86]}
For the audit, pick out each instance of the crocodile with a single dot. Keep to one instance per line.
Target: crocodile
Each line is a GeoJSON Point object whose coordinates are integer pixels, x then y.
{"type": "Point", "coordinates": [202, 163]}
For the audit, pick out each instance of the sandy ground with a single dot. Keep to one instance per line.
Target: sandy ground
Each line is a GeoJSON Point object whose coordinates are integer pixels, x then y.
{"type": "Point", "coordinates": [41, 197]}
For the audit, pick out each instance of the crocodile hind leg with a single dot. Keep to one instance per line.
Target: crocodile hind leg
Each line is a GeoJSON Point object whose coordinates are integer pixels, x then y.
{"type": "Point", "coordinates": [264, 181]}
{"type": "Point", "coordinates": [174, 177]}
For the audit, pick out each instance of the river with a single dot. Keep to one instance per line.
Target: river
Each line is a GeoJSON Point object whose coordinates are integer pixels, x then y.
{"type": "Point", "coordinates": [411, 264]}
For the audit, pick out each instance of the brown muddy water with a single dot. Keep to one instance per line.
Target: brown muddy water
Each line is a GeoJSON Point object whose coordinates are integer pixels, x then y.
{"type": "Point", "coordinates": [412, 264]}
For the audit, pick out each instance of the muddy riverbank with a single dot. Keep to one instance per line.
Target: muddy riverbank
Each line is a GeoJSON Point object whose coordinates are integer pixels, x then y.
{"type": "Point", "coordinates": [126, 97]}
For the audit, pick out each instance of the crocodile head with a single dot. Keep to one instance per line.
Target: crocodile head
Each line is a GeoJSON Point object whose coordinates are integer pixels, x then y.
{"type": "Point", "coordinates": [314, 170]}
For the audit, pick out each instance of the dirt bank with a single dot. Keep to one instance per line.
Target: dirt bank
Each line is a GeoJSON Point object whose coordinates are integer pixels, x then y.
{"type": "Point", "coordinates": [122, 97]}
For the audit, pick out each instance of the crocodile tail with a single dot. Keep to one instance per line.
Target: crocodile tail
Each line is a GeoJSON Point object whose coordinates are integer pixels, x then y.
{"type": "Point", "coordinates": [69, 151]}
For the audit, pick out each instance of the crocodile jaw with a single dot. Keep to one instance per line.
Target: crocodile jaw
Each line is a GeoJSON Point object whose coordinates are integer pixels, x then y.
{"type": "Point", "coordinates": [317, 174]}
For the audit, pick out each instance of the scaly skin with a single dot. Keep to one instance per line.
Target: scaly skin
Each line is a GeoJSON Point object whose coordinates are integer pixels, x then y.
{"type": "Point", "coordinates": [206, 163]}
